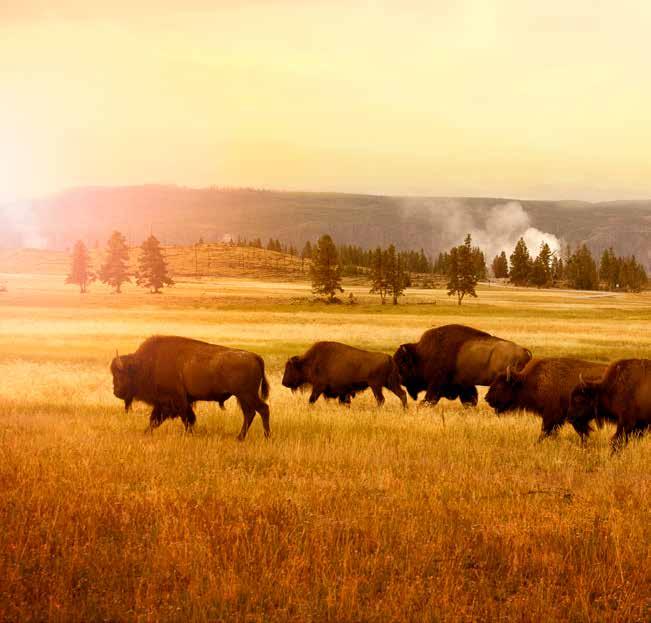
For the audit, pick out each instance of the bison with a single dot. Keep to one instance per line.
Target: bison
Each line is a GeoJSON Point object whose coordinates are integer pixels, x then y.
{"type": "Point", "coordinates": [171, 373]}
{"type": "Point", "coordinates": [449, 361]}
{"type": "Point", "coordinates": [622, 396]}
{"type": "Point", "coordinates": [340, 371]}
{"type": "Point", "coordinates": [544, 387]}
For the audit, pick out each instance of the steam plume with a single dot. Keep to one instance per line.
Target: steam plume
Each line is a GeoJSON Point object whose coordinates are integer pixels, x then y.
{"type": "Point", "coordinates": [494, 229]}
{"type": "Point", "coordinates": [505, 225]}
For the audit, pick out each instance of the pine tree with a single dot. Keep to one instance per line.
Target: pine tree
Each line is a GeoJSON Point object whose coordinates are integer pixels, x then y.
{"type": "Point", "coordinates": [424, 265]}
{"type": "Point", "coordinates": [442, 264]}
{"type": "Point", "coordinates": [479, 263]}
{"type": "Point", "coordinates": [325, 271]}
{"type": "Point", "coordinates": [115, 272]}
{"type": "Point", "coordinates": [378, 276]}
{"type": "Point", "coordinates": [396, 279]}
{"type": "Point", "coordinates": [609, 269]}
{"type": "Point", "coordinates": [545, 255]}
{"type": "Point", "coordinates": [152, 268]}
{"type": "Point", "coordinates": [306, 254]}
{"type": "Point", "coordinates": [557, 269]}
{"type": "Point", "coordinates": [500, 266]}
{"type": "Point", "coordinates": [582, 271]}
{"type": "Point", "coordinates": [462, 278]}
{"type": "Point", "coordinates": [538, 273]}
{"type": "Point", "coordinates": [541, 269]}
{"type": "Point", "coordinates": [632, 275]}
{"type": "Point", "coordinates": [520, 264]}
{"type": "Point", "coordinates": [80, 272]}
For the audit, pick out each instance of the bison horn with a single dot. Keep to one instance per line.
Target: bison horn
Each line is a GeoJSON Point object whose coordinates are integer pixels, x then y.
{"type": "Point", "coordinates": [118, 363]}
{"type": "Point", "coordinates": [508, 374]}
{"type": "Point", "coordinates": [581, 381]}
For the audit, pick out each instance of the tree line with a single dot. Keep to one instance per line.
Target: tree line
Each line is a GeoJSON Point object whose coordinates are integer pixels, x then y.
{"type": "Point", "coordinates": [152, 271]}
{"type": "Point", "coordinates": [353, 259]}
{"type": "Point", "coordinates": [576, 268]}
{"type": "Point", "coordinates": [387, 269]}
{"type": "Point", "coordinates": [387, 272]}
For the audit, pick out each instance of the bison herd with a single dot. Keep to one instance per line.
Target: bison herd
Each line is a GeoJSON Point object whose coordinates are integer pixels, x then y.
{"type": "Point", "coordinates": [172, 373]}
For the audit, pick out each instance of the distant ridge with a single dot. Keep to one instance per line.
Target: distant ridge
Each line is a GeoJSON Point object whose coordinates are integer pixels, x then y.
{"type": "Point", "coordinates": [180, 215]}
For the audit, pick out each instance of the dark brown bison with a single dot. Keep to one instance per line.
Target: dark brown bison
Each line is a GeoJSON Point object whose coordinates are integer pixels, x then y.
{"type": "Point", "coordinates": [622, 396]}
{"type": "Point", "coordinates": [340, 371]}
{"type": "Point", "coordinates": [172, 373]}
{"type": "Point", "coordinates": [449, 361]}
{"type": "Point", "coordinates": [544, 387]}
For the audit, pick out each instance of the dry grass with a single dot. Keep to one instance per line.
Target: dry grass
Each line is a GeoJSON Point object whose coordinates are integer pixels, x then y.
{"type": "Point", "coordinates": [346, 514]}
{"type": "Point", "coordinates": [214, 259]}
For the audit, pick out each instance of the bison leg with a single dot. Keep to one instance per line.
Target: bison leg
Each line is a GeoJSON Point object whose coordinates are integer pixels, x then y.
{"type": "Point", "coordinates": [396, 389]}
{"type": "Point", "coordinates": [432, 397]}
{"type": "Point", "coordinates": [468, 396]}
{"type": "Point", "coordinates": [549, 429]}
{"type": "Point", "coordinates": [344, 399]}
{"type": "Point", "coordinates": [314, 396]}
{"type": "Point", "coordinates": [155, 419]}
{"type": "Point", "coordinates": [583, 430]}
{"type": "Point", "coordinates": [189, 419]}
{"type": "Point", "coordinates": [248, 413]}
{"type": "Point", "coordinates": [620, 438]}
{"type": "Point", "coordinates": [263, 409]}
{"type": "Point", "coordinates": [377, 392]}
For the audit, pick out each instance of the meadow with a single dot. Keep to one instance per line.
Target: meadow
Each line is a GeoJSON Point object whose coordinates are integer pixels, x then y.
{"type": "Point", "coordinates": [345, 514]}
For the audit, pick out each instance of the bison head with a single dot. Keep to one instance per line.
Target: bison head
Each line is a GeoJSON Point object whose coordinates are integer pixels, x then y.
{"type": "Point", "coordinates": [408, 364]}
{"type": "Point", "coordinates": [502, 395]}
{"type": "Point", "coordinates": [123, 370]}
{"type": "Point", "coordinates": [294, 376]}
{"type": "Point", "coordinates": [584, 403]}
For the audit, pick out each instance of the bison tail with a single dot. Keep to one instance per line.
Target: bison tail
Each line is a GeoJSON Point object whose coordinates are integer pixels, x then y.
{"type": "Point", "coordinates": [264, 388]}
{"type": "Point", "coordinates": [264, 383]}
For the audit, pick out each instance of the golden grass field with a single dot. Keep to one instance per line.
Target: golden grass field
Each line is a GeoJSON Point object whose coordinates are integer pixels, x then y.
{"type": "Point", "coordinates": [346, 514]}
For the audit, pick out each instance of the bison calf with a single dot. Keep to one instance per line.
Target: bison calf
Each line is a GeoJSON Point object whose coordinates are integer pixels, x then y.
{"type": "Point", "coordinates": [339, 371]}
{"type": "Point", "coordinates": [449, 361]}
{"type": "Point", "coordinates": [172, 373]}
{"type": "Point", "coordinates": [544, 387]}
{"type": "Point", "coordinates": [622, 396]}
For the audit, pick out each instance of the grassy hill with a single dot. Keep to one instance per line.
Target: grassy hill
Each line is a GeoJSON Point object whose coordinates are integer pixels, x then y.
{"type": "Point", "coordinates": [216, 260]}
{"type": "Point", "coordinates": [181, 216]}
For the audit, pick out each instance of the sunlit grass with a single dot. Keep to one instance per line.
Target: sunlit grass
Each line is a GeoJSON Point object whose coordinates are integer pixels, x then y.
{"type": "Point", "coordinates": [345, 514]}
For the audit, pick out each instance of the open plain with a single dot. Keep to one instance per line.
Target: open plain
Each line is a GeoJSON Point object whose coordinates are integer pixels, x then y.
{"type": "Point", "coordinates": [345, 514]}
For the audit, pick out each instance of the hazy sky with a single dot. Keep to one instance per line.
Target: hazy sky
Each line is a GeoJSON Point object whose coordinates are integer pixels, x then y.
{"type": "Point", "coordinates": [441, 97]}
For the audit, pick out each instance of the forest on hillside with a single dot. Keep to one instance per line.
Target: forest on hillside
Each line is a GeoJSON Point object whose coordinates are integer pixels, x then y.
{"type": "Point", "coordinates": [182, 216]}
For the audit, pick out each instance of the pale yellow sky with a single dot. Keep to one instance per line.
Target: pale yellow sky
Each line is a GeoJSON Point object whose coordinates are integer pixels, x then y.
{"type": "Point", "coordinates": [466, 97]}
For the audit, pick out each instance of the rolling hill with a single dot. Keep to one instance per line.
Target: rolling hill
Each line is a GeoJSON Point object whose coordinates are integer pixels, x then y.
{"type": "Point", "coordinates": [181, 216]}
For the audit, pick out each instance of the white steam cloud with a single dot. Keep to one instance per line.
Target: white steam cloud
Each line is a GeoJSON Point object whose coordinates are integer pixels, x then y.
{"type": "Point", "coordinates": [505, 225]}
{"type": "Point", "coordinates": [493, 229]}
